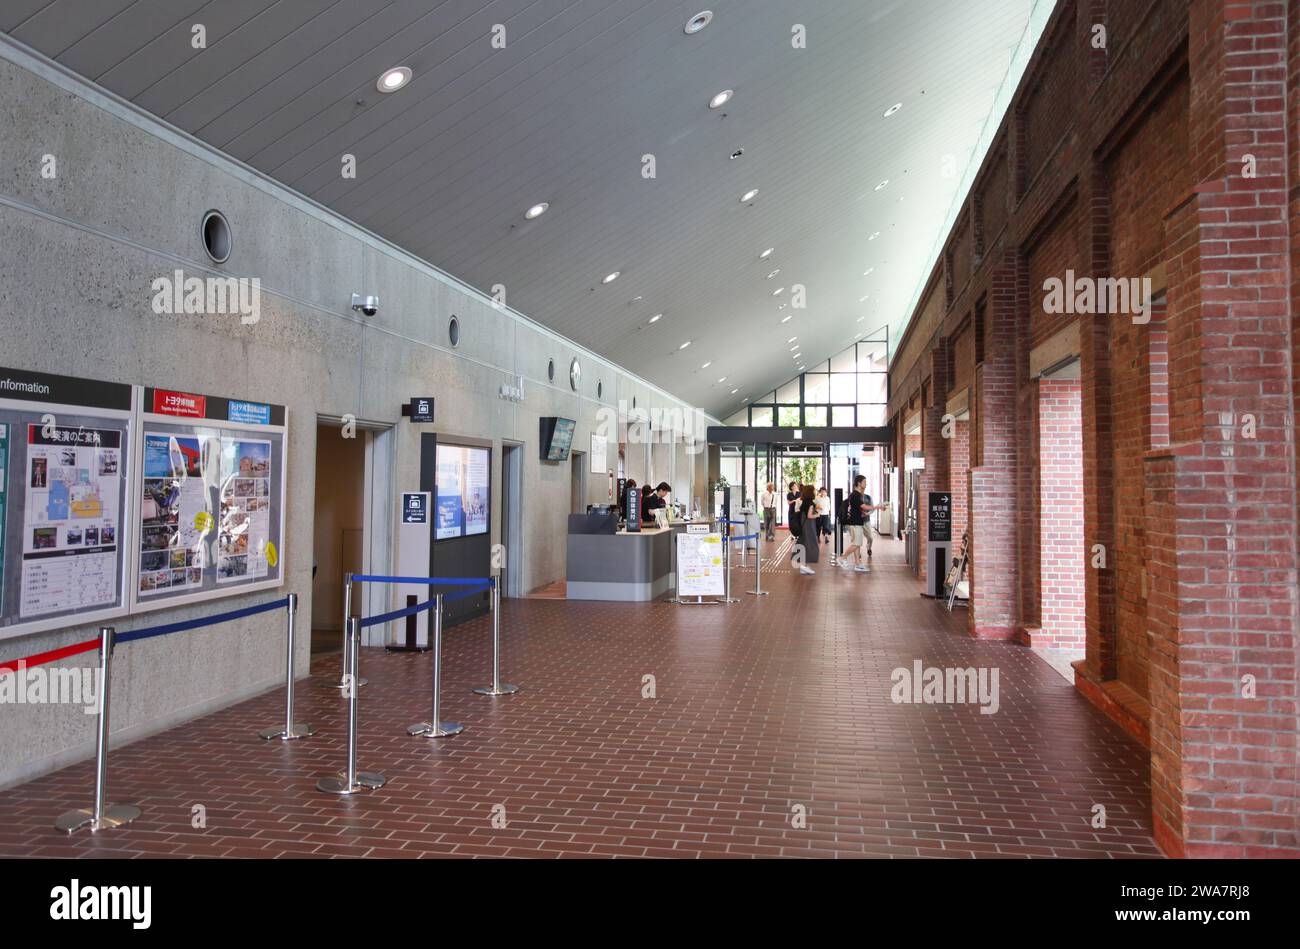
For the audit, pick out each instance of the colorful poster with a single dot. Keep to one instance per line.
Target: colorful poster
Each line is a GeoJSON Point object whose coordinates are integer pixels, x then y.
{"type": "Point", "coordinates": [174, 514]}
{"type": "Point", "coordinates": [244, 527]}
{"type": "Point", "coordinates": [464, 491]}
{"type": "Point", "coordinates": [71, 519]}
{"type": "Point", "coordinates": [448, 504]}
{"type": "Point", "coordinates": [475, 495]}
{"type": "Point", "coordinates": [699, 565]}
{"type": "Point", "coordinates": [4, 481]}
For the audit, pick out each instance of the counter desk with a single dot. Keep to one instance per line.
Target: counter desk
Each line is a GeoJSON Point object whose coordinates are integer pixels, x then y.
{"type": "Point", "coordinates": [629, 566]}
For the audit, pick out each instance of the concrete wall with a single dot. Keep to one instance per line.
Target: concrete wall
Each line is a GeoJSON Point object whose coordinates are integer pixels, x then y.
{"type": "Point", "coordinates": [80, 253]}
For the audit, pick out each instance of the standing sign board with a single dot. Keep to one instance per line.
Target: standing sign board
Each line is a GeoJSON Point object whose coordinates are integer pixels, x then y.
{"type": "Point", "coordinates": [210, 496]}
{"type": "Point", "coordinates": [699, 565]}
{"type": "Point", "coordinates": [64, 506]}
{"type": "Point", "coordinates": [938, 546]}
{"type": "Point", "coordinates": [413, 536]}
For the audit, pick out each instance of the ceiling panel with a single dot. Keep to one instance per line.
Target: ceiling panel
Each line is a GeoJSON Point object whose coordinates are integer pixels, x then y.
{"type": "Point", "coordinates": [564, 113]}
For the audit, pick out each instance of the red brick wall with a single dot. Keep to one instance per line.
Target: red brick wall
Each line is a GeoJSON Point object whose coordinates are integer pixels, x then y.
{"type": "Point", "coordinates": [1125, 162]}
{"type": "Point", "coordinates": [1062, 555]}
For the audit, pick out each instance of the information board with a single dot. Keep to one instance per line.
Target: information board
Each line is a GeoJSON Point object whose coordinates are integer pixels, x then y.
{"type": "Point", "coordinates": [699, 565]}
{"type": "Point", "coordinates": [464, 491]}
{"type": "Point", "coordinates": [940, 524]}
{"type": "Point", "coordinates": [210, 497]}
{"type": "Point", "coordinates": [64, 504]}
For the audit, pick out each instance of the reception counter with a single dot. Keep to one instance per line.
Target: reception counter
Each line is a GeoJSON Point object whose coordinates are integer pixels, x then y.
{"type": "Point", "coordinates": [631, 567]}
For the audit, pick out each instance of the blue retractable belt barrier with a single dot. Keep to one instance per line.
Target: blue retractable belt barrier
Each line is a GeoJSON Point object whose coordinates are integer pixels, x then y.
{"type": "Point", "coordinates": [735, 521]}
{"type": "Point", "coordinates": [163, 630]}
{"type": "Point", "coordinates": [430, 581]}
{"type": "Point", "coordinates": [421, 607]}
{"type": "Point", "coordinates": [732, 539]}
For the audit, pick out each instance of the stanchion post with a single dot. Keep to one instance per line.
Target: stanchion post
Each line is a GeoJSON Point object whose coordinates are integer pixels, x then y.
{"type": "Point", "coordinates": [726, 560]}
{"type": "Point", "coordinates": [348, 679]}
{"type": "Point", "coordinates": [291, 728]}
{"type": "Point", "coordinates": [496, 688]}
{"type": "Point", "coordinates": [102, 816]}
{"type": "Point", "coordinates": [672, 543]}
{"type": "Point", "coordinates": [351, 781]}
{"type": "Point", "coordinates": [434, 728]}
{"type": "Point", "coordinates": [758, 570]}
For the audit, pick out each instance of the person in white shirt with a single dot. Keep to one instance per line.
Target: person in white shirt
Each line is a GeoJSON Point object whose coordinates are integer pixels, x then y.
{"type": "Point", "coordinates": [767, 501]}
{"type": "Point", "coordinates": [823, 515]}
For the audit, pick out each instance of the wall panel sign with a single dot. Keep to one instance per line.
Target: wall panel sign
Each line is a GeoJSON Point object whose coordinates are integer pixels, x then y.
{"type": "Point", "coordinates": [420, 409]}
{"type": "Point", "coordinates": [210, 492]}
{"type": "Point", "coordinates": [464, 491]}
{"type": "Point", "coordinates": [940, 526]}
{"type": "Point", "coordinates": [65, 446]}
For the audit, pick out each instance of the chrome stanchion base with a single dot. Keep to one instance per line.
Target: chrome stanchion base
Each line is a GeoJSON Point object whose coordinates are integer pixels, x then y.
{"type": "Point", "coordinates": [338, 784]}
{"type": "Point", "coordinates": [298, 731]}
{"type": "Point", "coordinates": [441, 730]}
{"type": "Point", "coordinates": [504, 690]}
{"type": "Point", "coordinates": [757, 592]}
{"type": "Point", "coordinates": [115, 815]}
{"type": "Point", "coordinates": [342, 686]}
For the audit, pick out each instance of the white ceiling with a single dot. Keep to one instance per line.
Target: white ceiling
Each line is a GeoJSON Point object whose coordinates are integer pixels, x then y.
{"type": "Point", "coordinates": [564, 113]}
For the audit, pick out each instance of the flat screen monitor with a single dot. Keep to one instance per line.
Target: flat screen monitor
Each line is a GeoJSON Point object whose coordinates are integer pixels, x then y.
{"type": "Point", "coordinates": [556, 437]}
{"type": "Point", "coordinates": [464, 491]}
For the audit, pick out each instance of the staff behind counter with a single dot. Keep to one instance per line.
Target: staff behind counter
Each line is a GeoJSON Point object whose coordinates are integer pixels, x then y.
{"type": "Point", "coordinates": [653, 500]}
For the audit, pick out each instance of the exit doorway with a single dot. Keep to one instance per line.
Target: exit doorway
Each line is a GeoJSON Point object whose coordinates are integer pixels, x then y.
{"type": "Point", "coordinates": [352, 525]}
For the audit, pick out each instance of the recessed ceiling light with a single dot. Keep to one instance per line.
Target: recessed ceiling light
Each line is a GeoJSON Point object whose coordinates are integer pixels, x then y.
{"type": "Point", "coordinates": [882, 184]}
{"type": "Point", "coordinates": [721, 99]}
{"type": "Point", "coordinates": [536, 211]}
{"type": "Point", "coordinates": [892, 109]}
{"type": "Point", "coordinates": [744, 400]}
{"type": "Point", "coordinates": [863, 299]}
{"type": "Point", "coordinates": [707, 364]}
{"type": "Point", "coordinates": [734, 391]}
{"type": "Point", "coordinates": [859, 335]}
{"type": "Point", "coordinates": [773, 273]}
{"type": "Point", "coordinates": [792, 339]}
{"type": "Point", "coordinates": [800, 368]}
{"type": "Point", "coordinates": [684, 345]}
{"type": "Point", "coordinates": [394, 79]}
{"type": "Point", "coordinates": [766, 254]}
{"type": "Point", "coordinates": [778, 291]}
{"type": "Point", "coordinates": [749, 196]}
{"type": "Point", "coordinates": [874, 235]}
{"type": "Point", "coordinates": [698, 22]}
{"type": "Point", "coordinates": [861, 318]}
{"type": "Point", "coordinates": [722, 380]}
{"type": "Point", "coordinates": [788, 318]}
{"type": "Point", "coordinates": [610, 277]}
{"type": "Point", "coordinates": [869, 271]}
{"type": "Point", "coordinates": [780, 308]}
{"type": "Point", "coordinates": [656, 318]}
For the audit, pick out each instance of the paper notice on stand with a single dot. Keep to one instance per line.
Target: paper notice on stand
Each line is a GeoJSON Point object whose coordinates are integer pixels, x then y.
{"type": "Point", "coordinates": [699, 565]}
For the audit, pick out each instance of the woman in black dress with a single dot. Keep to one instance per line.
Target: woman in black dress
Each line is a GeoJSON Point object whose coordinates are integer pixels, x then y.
{"type": "Point", "coordinates": [791, 499]}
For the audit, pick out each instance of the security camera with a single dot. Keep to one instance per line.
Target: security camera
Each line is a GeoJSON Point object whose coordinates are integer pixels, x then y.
{"type": "Point", "coordinates": [367, 305]}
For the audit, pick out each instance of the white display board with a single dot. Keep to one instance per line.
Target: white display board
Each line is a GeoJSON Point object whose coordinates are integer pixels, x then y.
{"type": "Point", "coordinates": [599, 447]}
{"type": "Point", "coordinates": [700, 569]}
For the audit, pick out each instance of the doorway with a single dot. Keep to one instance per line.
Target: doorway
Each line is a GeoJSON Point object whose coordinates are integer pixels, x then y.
{"type": "Point", "coordinates": [352, 525]}
{"type": "Point", "coordinates": [339, 530]}
{"type": "Point", "coordinates": [1061, 556]}
{"type": "Point", "coordinates": [512, 486]}
{"type": "Point", "coordinates": [577, 483]}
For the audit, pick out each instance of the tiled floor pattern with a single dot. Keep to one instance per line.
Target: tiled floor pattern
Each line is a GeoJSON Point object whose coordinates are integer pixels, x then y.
{"type": "Point", "coordinates": [763, 711]}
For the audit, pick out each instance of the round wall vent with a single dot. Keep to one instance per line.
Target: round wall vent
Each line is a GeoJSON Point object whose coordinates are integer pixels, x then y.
{"type": "Point", "coordinates": [550, 370]}
{"type": "Point", "coordinates": [453, 332]}
{"type": "Point", "coordinates": [216, 236]}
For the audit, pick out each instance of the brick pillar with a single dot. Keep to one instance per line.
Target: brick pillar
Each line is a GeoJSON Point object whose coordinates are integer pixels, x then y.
{"type": "Point", "coordinates": [1060, 521]}
{"type": "Point", "coordinates": [992, 490]}
{"type": "Point", "coordinates": [1098, 444]}
{"type": "Point", "coordinates": [1223, 504]}
{"type": "Point", "coordinates": [934, 477]}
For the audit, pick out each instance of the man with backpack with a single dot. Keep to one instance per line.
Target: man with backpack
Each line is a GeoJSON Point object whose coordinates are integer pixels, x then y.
{"type": "Point", "coordinates": [855, 515]}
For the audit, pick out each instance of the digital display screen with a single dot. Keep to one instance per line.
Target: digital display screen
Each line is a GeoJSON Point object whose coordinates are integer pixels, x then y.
{"type": "Point", "coordinates": [561, 440]}
{"type": "Point", "coordinates": [464, 491]}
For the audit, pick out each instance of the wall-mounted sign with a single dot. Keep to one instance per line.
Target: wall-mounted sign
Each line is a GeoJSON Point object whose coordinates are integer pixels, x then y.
{"type": "Point", "coordinates": [415, 507]}
{"type": "Point", "coordinates": [599, 445]}
{"type": "Point", "coordinates": [252, 413]}
{"type": "Point", "coordinates": [940, 516]}
{"type": "Point", "coordinates": [420, 409]}
{"type": "Point", "coordinates": [178, 403]}
{"type": "Point", "coordinates": [513, 390]}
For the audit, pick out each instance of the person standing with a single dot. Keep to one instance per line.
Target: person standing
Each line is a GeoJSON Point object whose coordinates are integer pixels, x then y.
{"type": "Point", "coordinates": [807, 536]}
{"type": "Point", "coordinates": [767, 501]}
{"type": "Point", "coordinates": [792, 500]}
{"type": "Point", "coordinates": [823, 515]}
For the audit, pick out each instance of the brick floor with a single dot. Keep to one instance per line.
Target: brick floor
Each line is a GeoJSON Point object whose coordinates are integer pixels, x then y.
{"type": "Point", "coordinates": [761, 706]}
